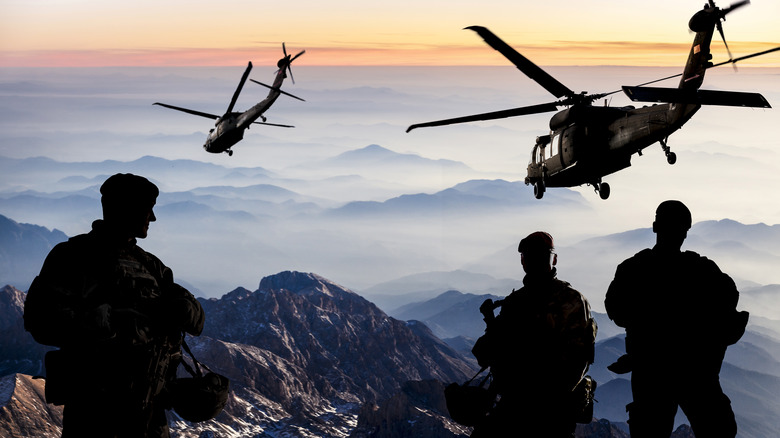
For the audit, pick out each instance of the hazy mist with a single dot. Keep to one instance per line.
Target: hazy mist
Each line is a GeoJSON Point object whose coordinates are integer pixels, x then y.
{"type": "Point", "coordinates": [348, 195]}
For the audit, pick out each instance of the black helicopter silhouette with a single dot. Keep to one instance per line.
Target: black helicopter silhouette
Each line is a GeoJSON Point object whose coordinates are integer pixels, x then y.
{"type": "Point", "coordinates": [588, 142]}
{"type": "Point", "coordinates": [229, 128]}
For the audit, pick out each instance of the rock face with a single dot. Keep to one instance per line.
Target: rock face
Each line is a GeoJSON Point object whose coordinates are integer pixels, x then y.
{"type": "Point", "coordinates": [310, 353]}
{"type": "Point", "coordinates": [344, 343]}
{"type": "Point", "coordinates": [19, 353]}
{"type": "Point", "coordinates": [23, 409]}
{"type": "Point", "coordinates": [418, 410]}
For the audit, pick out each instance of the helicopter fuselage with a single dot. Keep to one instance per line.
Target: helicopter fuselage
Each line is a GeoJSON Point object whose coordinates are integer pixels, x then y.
{"type": "Point", "coordinates": [588, 142]}
{"type": "Point", "coordinates": [229, 129]}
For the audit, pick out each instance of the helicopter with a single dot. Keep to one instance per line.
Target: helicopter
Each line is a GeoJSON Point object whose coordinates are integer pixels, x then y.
{"type": "Point", "coordinates": [229, 128]}
{"type": "Point", "coordinates": [588, 142]}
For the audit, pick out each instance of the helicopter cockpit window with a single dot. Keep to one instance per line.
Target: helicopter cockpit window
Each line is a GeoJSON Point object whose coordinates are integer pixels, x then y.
{"type": "Point", "coordinates": [536, 154]}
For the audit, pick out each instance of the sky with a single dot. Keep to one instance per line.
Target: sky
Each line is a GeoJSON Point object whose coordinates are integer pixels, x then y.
{"type": "Point", "coordinates": [67, 93]}
{"type": "Point", "coordinates": [344, 32]}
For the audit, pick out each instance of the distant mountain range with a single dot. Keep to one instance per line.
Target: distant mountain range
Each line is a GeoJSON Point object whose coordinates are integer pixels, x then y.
{"type": "Point", "coordinates": [419, 257]}
{"type": "Point", "coordinates": [348, 225]}
{"type": "Point", "coordinates": [23, 247]}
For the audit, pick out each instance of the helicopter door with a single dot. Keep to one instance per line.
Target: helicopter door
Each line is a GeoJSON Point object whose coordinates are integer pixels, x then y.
{"type": "Point", "coordinates": [566, 144]}
{"type": "Point", "coordinates": [553, 160]}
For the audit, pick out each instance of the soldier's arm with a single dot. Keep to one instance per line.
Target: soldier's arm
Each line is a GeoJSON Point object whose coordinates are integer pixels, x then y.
{"type": "Point", "coordinates": [188, 311]}
{"type": "Point", "coordinates": [729, 323]}
{"type": "Point", "coordinates": [578, 329]}
{"type": "Point", "coordinates": [181, 306]}
{"type": "Point", "coordinates": [616, 301]}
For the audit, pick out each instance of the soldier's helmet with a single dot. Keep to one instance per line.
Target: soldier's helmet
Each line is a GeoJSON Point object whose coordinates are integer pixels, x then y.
{"type": "Point", "coordinates": [125, 190]}
{"type": "Point", "coordinates": [536, 242]}
{"type": "Point", "coordinates": [672, 215]}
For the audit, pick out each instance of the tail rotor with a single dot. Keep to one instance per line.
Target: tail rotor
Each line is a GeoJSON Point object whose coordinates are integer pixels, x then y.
{"type": "Point", "coordinates": [721, 17]}
{"type": "Point", "coordinates": [284, 63]}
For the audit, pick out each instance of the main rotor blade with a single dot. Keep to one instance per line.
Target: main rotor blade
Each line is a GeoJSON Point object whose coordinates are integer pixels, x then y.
{"type": "Point", "coordinates": [296, 56]}
{"type": "Point", "coordinates": [522, 63]}
{"type": "Point", "coordinates": [240, 86]}
{"type": "Point", "coordinates": [522, 111]}
{"type": "Point", "coordinates": [730, 61]}
{"type": "Point", "coordinates": [699, 97]}
{"type": "Point", "coordinates": [274, 124]}
{"type": "Point", "coordinates": [734, 6]}
{"type": "Point", "coordinates": [277, 89]}
{"type": "Point", "coordinates": [735, 60]}
{"type": "Point", "coordinates": [197, 113]}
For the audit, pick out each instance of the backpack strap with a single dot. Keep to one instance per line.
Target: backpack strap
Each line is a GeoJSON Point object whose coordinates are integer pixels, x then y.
{"type": "Point", "coordinates": [198, 365]}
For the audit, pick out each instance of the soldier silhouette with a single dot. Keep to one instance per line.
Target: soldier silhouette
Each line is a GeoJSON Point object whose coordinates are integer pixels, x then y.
{"type": "Point", "coordinates": [117, 317]}
{"type": "Point", "coordinates": [679, 312]}
{"type": "Point", "coordinates": [538, 348]}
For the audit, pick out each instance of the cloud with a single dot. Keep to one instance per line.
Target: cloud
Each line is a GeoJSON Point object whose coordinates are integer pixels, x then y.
{"type": "Point", "coordinates": [379, 53]}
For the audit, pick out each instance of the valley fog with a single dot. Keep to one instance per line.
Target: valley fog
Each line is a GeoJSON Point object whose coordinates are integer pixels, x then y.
{"type": "Point", "coordinates": [349, 195]}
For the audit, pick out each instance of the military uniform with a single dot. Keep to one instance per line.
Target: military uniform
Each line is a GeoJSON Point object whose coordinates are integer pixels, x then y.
{"type": "Point", "coordinates": [538, 348]}
{"type": "Point", "coordinates": [117, 317]}
{"type": "Point", "coordinates": [679, 312]}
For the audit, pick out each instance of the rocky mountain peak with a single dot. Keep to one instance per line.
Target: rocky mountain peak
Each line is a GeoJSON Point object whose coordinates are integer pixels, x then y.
{"type": "Point", "coordinates": [300, 283]}
{"type": "Point", "coordinates": [317, 325]}
{"type": "Point", "coordinates": [239, 293]}
{"type": "Point", "coordinates": [19, 352]}
{"type": "Point", "coordinates": [24, 410]}
{"type": "Point", "coordinates": [11, 305]}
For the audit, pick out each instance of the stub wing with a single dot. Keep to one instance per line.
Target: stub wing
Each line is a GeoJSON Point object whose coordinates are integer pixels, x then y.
{"type": "Point", "coordinates": [697, 97]}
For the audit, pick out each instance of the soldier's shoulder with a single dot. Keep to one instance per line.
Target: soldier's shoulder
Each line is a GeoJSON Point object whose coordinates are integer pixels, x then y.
{"type": "Point", "coordinates": [699, 261]}
{"type": "Point", "coordinates": [639, 259]}
{"type": "Point", "coordinates": [151, 261]}
{"type": "Point", "coordinates": [73, 244]}
{"type": "Point", "coordinates": [567, 290]}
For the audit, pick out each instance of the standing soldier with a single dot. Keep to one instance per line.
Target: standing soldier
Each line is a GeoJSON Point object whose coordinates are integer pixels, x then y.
{"type": "Point", "coordinates": [538, 348]}
{"type": "Point", "coordinates": [117, 317]}
{"type": "Point", "coordinates": [679, 312]}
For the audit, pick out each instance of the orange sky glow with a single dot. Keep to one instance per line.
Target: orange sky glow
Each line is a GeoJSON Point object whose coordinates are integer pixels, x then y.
{"type": "Point", "coordinates": [88, 33]}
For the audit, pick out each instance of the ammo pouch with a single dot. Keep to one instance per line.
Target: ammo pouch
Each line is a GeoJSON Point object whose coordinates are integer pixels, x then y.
{"type": "Point", "coordinates": [59, 378]}
{"type": "Point", "coordinates": [582, 400]}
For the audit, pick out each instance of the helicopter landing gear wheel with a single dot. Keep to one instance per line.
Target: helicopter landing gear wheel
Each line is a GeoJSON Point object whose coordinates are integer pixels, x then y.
{"type": "Point", "coordinates": [671, 157]}
{"type": "Point", "coordinates": [603, 190]}
{"type": "Point", "coordinates": [230, 153]}
{"type": "Point", "coordinates": [539, 189]}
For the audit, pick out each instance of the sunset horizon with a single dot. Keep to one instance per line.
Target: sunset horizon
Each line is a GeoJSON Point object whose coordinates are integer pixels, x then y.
{"type": "Point", "coordinates": [86, 33]}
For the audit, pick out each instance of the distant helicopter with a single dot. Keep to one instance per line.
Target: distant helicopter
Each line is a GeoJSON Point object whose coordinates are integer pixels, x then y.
{"type": "Point", "coordinates": [229, 128]}
{"type": "Point", "coordinates": [588, 142]}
